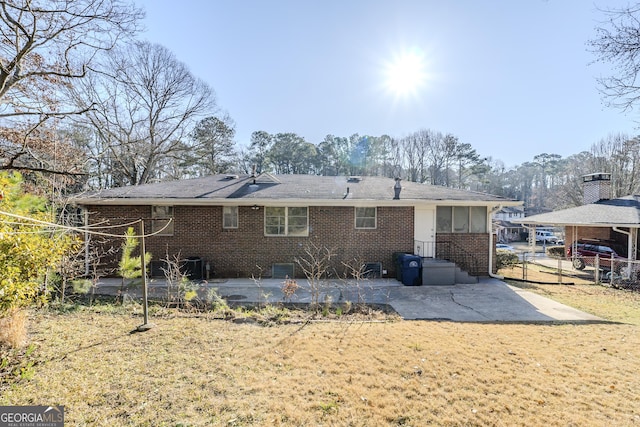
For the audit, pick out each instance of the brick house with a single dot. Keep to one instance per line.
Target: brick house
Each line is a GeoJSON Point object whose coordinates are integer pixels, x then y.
{"type": "Point", "coordinates": [599, 218]}
{"type": "Point", "coordinates": [243, 226]}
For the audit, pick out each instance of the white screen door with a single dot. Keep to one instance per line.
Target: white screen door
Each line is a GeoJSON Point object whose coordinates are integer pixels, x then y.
{"type": "Point", "coordinates": [424, 235]}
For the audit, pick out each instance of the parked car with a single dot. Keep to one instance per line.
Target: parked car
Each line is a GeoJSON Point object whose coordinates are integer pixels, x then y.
{"type": "Point", "coordinates": [546, 236]}
{"type": "Point", "coordinates": [587, 250]}
{"type": "Point", "coordinates": [503, 247]}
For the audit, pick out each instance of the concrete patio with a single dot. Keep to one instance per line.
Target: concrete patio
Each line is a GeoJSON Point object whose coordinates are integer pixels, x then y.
{"type": "Point", "coordinates": [489, 300]}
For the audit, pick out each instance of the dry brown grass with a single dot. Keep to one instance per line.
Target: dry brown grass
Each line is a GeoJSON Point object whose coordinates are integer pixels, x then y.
{"type": "Point", "coordinates": [611, 304]}
{"type": "Point", "coordinates": [192, 370]}
{"type": "Point", "coordinates": [13, 328]}
{"type": "Point", "coordinates": [537, 273]}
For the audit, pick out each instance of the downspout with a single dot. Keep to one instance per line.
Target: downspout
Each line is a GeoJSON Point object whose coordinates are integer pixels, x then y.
{"type": "Point", "coordinates": [492, 243]}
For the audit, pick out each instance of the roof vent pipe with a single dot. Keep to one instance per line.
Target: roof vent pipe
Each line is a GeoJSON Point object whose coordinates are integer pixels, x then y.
{"type": "Point", "coordinates": [253, 174]}
{"type": "Point", "coordinates": [396, 189]}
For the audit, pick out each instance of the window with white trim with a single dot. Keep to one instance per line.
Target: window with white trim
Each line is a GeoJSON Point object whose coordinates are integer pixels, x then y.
{"type": "Point", "coordinates": [230, 217]}
{"type": "Point", "coordinates": [162, 220]}
{"type": "Point", "coordinates": [286, 221]}
{"type": "Point", "coordinates": [478, 219]}
{"type": "Point", "coordinates": [461, 219]}
{"type": "Point", "coordinates": [366, 217]}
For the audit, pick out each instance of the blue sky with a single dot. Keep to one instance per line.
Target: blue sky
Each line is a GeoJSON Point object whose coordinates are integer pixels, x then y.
{"type": "Point", "coordinates": [512, 78]}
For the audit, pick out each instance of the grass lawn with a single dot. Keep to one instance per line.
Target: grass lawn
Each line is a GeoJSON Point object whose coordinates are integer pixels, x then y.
{"type": "Point", "coordinates": [192, 369]}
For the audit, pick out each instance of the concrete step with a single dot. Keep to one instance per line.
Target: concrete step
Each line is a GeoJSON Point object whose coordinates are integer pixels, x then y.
{"type": "Point", "coordinates": [438, 272]}
{"type": "Point", "coordinates": [462, 277]}
{"type": "Point", "coordinates": [441, 272]}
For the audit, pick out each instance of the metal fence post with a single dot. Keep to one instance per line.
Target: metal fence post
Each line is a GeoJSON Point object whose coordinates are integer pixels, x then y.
{"type": "Point", "coordinates": [559, 271]}
{"type": "Point", "coordinates": [145, 300]}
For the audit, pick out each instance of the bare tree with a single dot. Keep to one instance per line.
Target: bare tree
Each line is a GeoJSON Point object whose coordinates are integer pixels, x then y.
{"type": "Point", "coordinates": [144, 106]}
{"type": "Point", "coordinates": [619, 155]}
{"type": "Point", "coordinates": [569, 189]}
{"type": "Point", "coordinates": [46, 46]}
{"type": "Point", "coordinates": [415, 149]}
{"type": "Point", "coordinates": [617, 42]}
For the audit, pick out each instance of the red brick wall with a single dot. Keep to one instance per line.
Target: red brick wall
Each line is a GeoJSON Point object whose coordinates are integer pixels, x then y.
{"type": "Point", "coordinates": [603, 233]}
{"type": "Point", "coordinates": [469, 250]}
{"type": "Point", "coordinates": [246, 251]}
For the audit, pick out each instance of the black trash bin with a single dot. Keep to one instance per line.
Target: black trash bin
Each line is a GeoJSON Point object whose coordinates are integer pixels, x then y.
{"type": "Point", "coordinates": [411, 270]}
{"type": "Point", "coordinates": [397, 262]}
{"type": "Point", "coordinates": [192, 268]}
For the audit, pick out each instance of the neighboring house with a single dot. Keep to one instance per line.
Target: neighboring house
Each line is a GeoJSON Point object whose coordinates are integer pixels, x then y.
{"type": "Point", "coordinates": [245, 226]}
{"type": "Point", "coordinates": [599, 218]}
{"type": "Point", "coordinates": [504, 227]}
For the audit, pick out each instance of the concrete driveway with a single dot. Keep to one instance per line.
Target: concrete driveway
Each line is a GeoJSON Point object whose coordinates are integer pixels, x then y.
{"type": "Point", "coordinates": [490, 300]}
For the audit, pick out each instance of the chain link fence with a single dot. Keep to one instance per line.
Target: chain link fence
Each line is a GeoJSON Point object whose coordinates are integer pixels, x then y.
{"type": "Point", "coordinates": [618, 272]}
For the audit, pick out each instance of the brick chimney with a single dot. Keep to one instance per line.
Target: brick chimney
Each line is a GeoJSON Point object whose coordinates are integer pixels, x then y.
{"type": "Point", "coordinates": [596, 186]}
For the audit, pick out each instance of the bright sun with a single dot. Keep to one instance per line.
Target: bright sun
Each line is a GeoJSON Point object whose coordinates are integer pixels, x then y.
{"type": "Point", "coordinates": [405, 75]}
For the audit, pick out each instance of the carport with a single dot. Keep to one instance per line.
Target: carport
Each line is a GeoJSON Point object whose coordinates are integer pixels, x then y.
{"type": "Point", "coordinates": [615, 220]}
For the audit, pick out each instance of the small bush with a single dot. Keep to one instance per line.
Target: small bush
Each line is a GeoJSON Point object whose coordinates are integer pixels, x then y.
{"type": "Point", "coordinates": [556, 251]}
{"type": "Point", "coordinates": [505, 259]}
{"type": "Point", "coordinates": [216, 301]}
{"type": "Point", "coordinates": [289, 288]}
{"type": "Point", "coordinates": [81, 286]}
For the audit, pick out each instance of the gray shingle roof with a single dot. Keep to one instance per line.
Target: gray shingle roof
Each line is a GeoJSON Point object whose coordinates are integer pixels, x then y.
{"type": "Point", "coordinates": [218, 188]}
{"type": "Point", "coordinates": [623, 212]}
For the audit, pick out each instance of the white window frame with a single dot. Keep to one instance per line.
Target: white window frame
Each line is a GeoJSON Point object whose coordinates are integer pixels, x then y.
{"type": "Point", "coordinates": [478, 219]}
{"type": "Point", "coordinates": [285, 223]}
{"type": "Point", "coordinates": [161, 215]}
{"type": "Point", "coordinates": [230, 213]}
{"type": "Point", "coordinates": [361, 217]}
{"type": "Point", "coordinates": [462, 224]}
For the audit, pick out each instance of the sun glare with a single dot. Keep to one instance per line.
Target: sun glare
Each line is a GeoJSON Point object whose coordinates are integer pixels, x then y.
{"type": "Point", "coordinates": [406, 74]}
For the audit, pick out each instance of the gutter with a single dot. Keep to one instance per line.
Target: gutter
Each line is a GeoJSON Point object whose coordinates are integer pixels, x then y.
{"type": "Point", "coordinates": [492, 243]}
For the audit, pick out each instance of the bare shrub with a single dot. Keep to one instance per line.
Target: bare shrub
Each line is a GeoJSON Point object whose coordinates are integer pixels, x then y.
{"type": "Point", "coordinates": [180, 291]}
{"type": "Point", "coordinates": [264, 295]}
{"type": "Point", "coordinates": [315, 263]}
{"type": "Point", "coordinates": [355, 275]}
{"type": "Point", "coordinates": [13, 328]}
